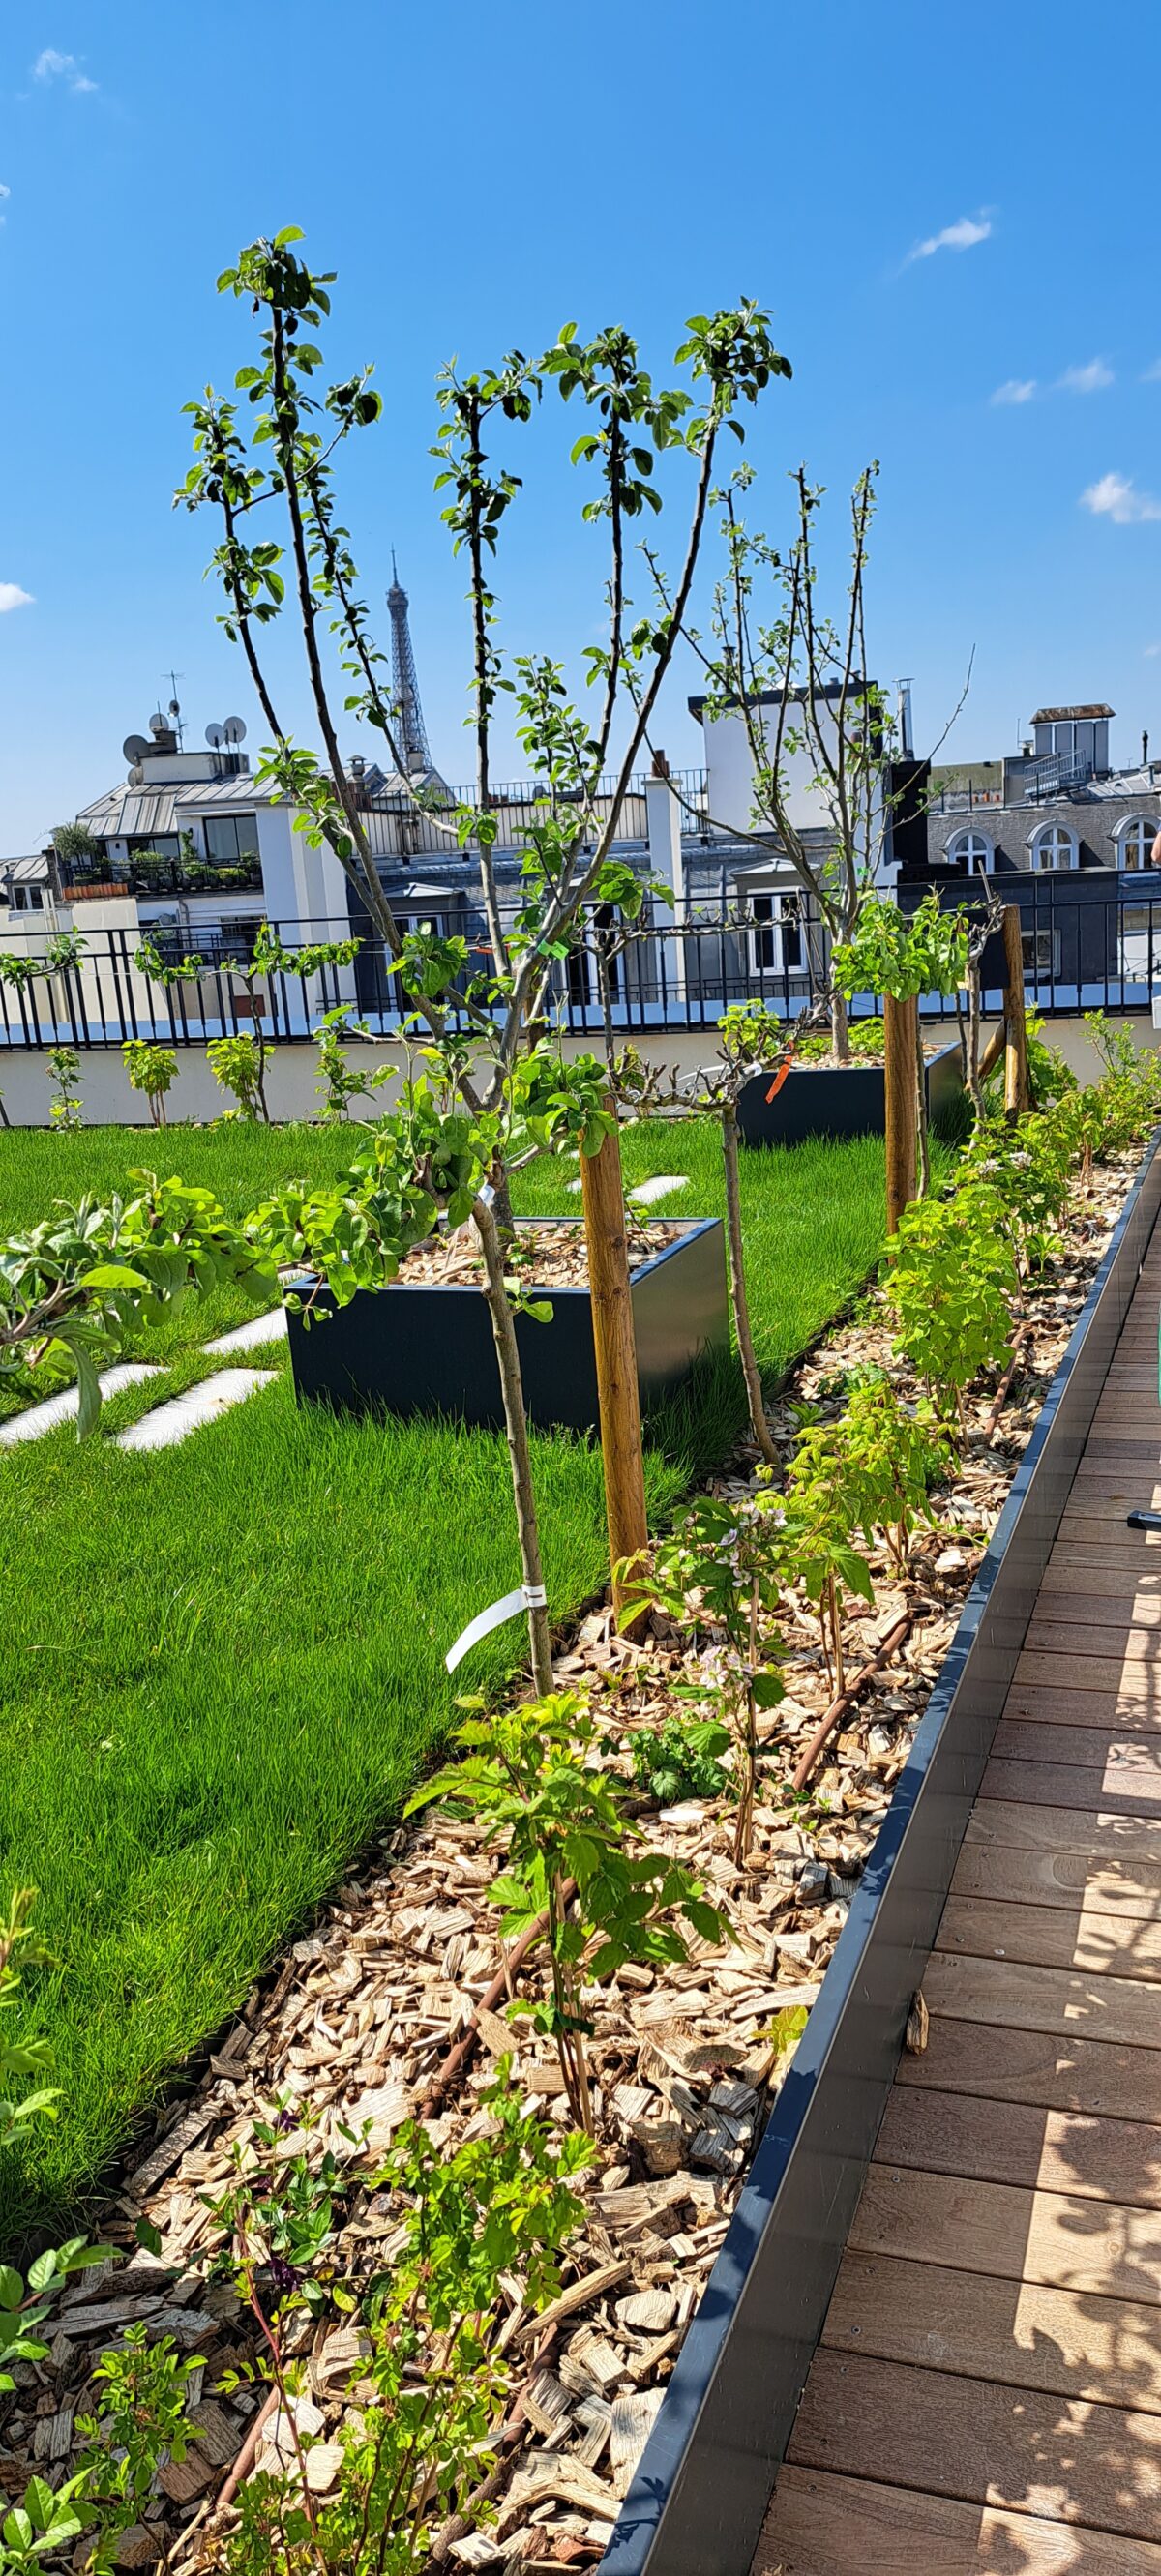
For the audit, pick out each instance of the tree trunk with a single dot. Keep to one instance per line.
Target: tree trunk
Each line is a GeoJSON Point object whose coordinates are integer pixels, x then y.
{"type": "Point", "coordinates": [900, 1033]}
{"type": "Point", "coordinates": [840, 1033]}
{"type": "Point", "coordinates": [1016, 1054]}
{"type": "Point", "coordinates": [739, 1302]}
{"type": "Point", "coordinates": [972, 1061]}
{"type": "Point", "coordinates": [516, 1421]}
{"type": "Point", "coordinates": [615, 1348]}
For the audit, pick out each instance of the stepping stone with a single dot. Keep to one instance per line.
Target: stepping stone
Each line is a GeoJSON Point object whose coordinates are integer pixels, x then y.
{"type": "Point", "coordinates": [169, 1423]}
{"type": "Point", "coordinates": [658, 1188]}
{"type": "Point", "coordinates": [250, 1337]}
{"type": "Point", "coordinates": [65, 1407]}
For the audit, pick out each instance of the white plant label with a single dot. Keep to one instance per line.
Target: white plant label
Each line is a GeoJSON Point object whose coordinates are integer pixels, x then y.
{"type": "Point", "coordinates": [527, 1596]}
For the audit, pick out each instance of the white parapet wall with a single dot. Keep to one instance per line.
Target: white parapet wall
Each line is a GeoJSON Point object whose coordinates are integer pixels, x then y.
{"type": "Point", "coordinates": [26, 1087]}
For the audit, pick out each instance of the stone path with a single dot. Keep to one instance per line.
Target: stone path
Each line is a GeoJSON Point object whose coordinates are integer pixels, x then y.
{"type": "Point", "coordinates": [253, 1336]}
{"type": "Point", "coordinates": [169, 1423]}
{"type": "Point", "coordinates": [42, 1418]}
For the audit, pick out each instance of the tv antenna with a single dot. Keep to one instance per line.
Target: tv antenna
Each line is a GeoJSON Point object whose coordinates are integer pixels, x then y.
{"type": "Point", "coordinates": [173, 677]}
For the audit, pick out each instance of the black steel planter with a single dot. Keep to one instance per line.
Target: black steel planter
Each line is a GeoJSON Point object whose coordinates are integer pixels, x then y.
{"type": "Point", "coordinates": [840, 1100]}
{"type": "Point", "coordinates": [429, 1350]}
{"type": "Point", "coordinates": [699, 2497]}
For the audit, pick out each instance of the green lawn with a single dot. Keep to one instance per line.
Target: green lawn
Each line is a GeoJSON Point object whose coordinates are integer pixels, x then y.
{"type": "Point", "coordinates": [223, 1664]}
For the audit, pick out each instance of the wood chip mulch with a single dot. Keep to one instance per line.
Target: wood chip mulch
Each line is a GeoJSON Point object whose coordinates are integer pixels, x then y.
{"type": "Point", "coordinates": [357, 2019]}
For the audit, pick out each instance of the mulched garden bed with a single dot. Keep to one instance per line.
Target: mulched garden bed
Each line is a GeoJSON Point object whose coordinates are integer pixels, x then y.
{"type": "Point", "coordinates": [357, 2020]}
{"type": "Point", "coordinates": [548, 1252]}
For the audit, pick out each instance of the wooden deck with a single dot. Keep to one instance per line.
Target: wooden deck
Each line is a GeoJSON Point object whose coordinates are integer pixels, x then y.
{"type": "Point", "coordinates": [986, 2397]}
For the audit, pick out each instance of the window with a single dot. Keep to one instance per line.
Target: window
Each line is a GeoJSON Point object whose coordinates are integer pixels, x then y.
{"type": "Point", "coordinates": [165, 845]}
{"type": "Point", "coordinates": [27, 898]}
{"type": "Point", "coordinates": [583, 978]}
{"type": "Point", "coordinates": [1134, 839]}
{"type": "Point", "coordinates": [775, 935]}
{"type": "Point", "coordinates": [1053, 846]}
{"type": "Point", "coordinates": [973, 851]}
{"type": "Point", "coordinates": [230, 837]}
{"type": "Point", "coordinates": [1041, 950]}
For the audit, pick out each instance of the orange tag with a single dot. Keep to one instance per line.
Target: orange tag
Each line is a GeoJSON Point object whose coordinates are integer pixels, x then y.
{"type": "Point", "coordinates": [779, 1079]}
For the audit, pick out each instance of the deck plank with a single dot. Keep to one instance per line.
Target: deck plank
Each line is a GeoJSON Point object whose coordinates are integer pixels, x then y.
{"type": "Point", "coordinates": [1058, 2457]}
{"type": "Point", "coordinates": [1017, 1876]}
{"type": "Point", "coordinates": [823, 2525]}
{"type": "Point", "coordinates": [1070, 2003]}
{"type": "Point", "coordinates": [1064, 1784]}
{"type": "Point", "coordinates": [1056, 2341]}
{"type": "Point", "coordinates": [1093, 2077]}
{"type": "Point", "coordinates": [1064, 2240]}
{"type": "Point", "coordinates": [1053, 1936]}
{"type": "Point", "coordinates": [1019, 2144]}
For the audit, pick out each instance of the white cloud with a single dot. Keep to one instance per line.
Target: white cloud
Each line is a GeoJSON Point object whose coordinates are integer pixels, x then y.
{"type": "Point", "coordinates": [962, 235]}
{"type": "Point", "coordinates": [1090, 379]}
{"type": "Point", "coordinates": [1019, 389]}
{"type": "Point", "coordinates": [1115, 497]}
{"type": "Point", "coordinates": [1152, 375]}
{"type": "Point", "coordinates": [12, 596]}
{"type": "Point", "coordinates": [4, 192]}
{"type": "Point", "coordinates": [1151, 652]}
{"type": "Point", "coordinates": [53, 66]}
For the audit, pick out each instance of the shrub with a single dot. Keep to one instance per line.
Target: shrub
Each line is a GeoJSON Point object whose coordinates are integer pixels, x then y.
{"type": "Point", "coordinates": [151, 1069]}
{"type": "Point", "coordinates": [64, 1065]}
{"type": "Point", "coordinates": [951, 1290]}
{"type": "Point", "coordinates": [238, 1066]}
{"type": "Point", "coordinates": [527, 1773]}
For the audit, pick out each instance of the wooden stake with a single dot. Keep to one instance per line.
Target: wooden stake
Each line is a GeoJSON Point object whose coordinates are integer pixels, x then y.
{"type": "Point", "coordinates": [1016, 1049]}
{"type": "Point", "coordinates": [616, 1352]}
{"type": "Point", "coordinates": [901, 1076]}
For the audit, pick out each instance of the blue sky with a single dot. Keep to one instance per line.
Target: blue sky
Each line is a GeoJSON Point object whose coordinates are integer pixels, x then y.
{"type": "Point", "coordinates": [935, 212]}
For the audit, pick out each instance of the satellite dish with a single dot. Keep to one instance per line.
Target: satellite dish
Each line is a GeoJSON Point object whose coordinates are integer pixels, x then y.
{"type": "Point", "coordinates": [135, 747]}
{"type": "Point", "coordinates": [234, 729]}
{"type": "Point", "coordinates": [157, 723]}
{"type": "Point", "coordinates": [174, 708]}
{"type": "Point", "coordinates": [214, 736]}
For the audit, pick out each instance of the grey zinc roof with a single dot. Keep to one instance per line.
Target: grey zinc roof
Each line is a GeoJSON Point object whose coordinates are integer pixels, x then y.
{"type": "Point", "coordinates": [224, 795]}
{"type": "Point", "coordinates": [139, 812]}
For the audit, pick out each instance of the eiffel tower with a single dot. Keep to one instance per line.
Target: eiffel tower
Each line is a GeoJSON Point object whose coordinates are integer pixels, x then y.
{"type": "Point", "coordinates": [411, 733]}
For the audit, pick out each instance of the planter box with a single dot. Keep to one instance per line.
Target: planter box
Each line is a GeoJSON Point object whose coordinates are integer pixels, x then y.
{"type": "Point", "coordinates": [429, 1350]}
{"type": "Point", "coordinates": [700, 2492]}
{"type": "Point", "coordinates": [839, 1100]}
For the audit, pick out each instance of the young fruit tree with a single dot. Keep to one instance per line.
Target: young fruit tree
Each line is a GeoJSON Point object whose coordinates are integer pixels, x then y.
{"type": "Point", "coordinates": [820, 736]}
{"type": "Point", "coordinates": [494, 1089]}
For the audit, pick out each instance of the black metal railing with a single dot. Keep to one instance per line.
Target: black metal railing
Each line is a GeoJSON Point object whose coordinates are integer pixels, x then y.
{"type": "Point", "coordinates": [159, 876]}
{"type": "Point", "coordinates": [1090, 942]}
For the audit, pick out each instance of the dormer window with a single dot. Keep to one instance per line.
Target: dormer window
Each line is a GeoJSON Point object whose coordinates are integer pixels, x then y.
{"type": "Point", "coordinates": [973, 851]}
{"type": "Point", "coordinates": [1053, 847]}
{"type": "Point", "coordinates": [1134, 837]}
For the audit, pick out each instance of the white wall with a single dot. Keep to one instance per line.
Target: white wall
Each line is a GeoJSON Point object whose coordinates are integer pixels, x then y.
{"type": "Point", "coordinates": [730, 770]}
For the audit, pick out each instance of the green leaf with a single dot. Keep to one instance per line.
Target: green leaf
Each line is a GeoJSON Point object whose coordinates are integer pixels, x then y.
{"type": "Point", "coordinates": [113, 1274]}
{"type": "Point", "coordinates": [11, 2287]}
{"type": "Point", "coordinates": [148, 2235]}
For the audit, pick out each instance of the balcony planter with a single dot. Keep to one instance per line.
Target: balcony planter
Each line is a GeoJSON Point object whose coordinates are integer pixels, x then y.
{"type": "Point", "coordinates": [429, 1350]}
{"type": "Point", "coordinates": [701, 2488]}
{"type": "Point", "coordinates": [840, 1100]}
